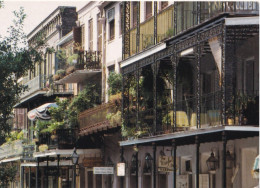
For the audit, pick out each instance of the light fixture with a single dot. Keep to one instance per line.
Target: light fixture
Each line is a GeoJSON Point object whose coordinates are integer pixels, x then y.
{"type": "Point", "coordinates": [229, 160]}
{"type": "Point", "coordinates": [75, 157]}
{"type": "Point", "coordinates": [148, 163]}
{"type": "Point", "coordinates": [212, 162]}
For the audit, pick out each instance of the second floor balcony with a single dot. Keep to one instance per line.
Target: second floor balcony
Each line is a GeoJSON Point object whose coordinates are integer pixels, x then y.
{"type": "Point", "coordinates": [59, 139]}
{"type": "Point", "coordinates": [99, 118]}
{"type": "Point", "coordinates": [86, 64]}
{"type": "Point", "coordinates": [16, 150]}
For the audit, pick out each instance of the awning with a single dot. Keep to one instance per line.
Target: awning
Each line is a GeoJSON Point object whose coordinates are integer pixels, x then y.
{"type": "Point", "coordinates": [67, 152]}
{"type": "Point", "coordinates": [41, 112]}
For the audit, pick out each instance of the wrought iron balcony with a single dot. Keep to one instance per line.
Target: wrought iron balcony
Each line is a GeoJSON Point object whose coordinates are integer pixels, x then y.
{"type": "Point", "coordinates": [243, 110]}
{"type": "Point", "coordinates": [88, 64]}
{"type": "Point", "coordinates": [60, 139]}
{"type": "Point", "coordinates": [99, 118]}
{"type": "Point", "coordinates": [187, 15]}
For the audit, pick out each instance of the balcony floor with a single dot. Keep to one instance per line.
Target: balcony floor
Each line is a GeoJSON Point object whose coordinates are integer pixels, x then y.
{"type": "Point", "coordinates": [212, 134]}
{"type": "Point", "coordinates": [78, 76]}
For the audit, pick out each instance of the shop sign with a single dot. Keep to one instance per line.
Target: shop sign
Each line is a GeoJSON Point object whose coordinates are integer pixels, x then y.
{"type": "Point", "coordinates": [92, 161]}
{"type": "Point", "coordinates": [120, 169]}
{"type": "Point", "coordinates": [166, 164]}
{"type": "Point", "coordinates": [103, 170]}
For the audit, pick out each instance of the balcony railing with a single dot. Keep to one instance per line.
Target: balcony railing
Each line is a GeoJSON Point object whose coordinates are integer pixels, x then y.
{"type": "Point", "coordinates": [12, 149]}
{"type": "Point", "coordinates": [90, 60]}
{"type": "Point", "coordinates": [61, 139]}
{"type": "Point", "coordinates": [99, 116]}
{"type": "Point", "coordinates": [187, 17]}
{"type": "Point", "coordinates": [244, 110]}
{"type": "Point", "coordinates": [34, 85]}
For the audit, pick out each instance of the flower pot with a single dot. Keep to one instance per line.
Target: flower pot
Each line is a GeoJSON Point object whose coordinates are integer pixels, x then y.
{"type": "Point", "coordinates": [230, 121]}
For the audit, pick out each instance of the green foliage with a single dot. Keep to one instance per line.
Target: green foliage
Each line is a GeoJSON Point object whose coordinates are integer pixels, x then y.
{"type": "Point", "coordinates": [86, 99]}
{"type": "Point", "coordinates": [61, 72]}
{"type": "Point", "coordinates": [53, 126]}
{"type": "Point", "coordinates": [115, 83]}
{"type": "Point", "coordinates": [62, 57]}
{"type": "Point", "coordinates": [71, 59]}
{"type": "Point", "coordinates": [7, 174]}
{"type": "Point", "coordinates": [16, 58]}
{"type": "Point", "coordinates": [15, 135]}
{"type": "Point", "coordinates": [169, 33]}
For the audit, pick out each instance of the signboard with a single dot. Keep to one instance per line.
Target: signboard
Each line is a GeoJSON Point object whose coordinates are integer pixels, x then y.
{"type": "Point", "coordinates": [103, 170]}
{"type": "Point", "coordinates": [166, 164]}
{"type": "Point", "coordinates": [120, 169]}
{"type": "Point", "coordinates": [92, 161]}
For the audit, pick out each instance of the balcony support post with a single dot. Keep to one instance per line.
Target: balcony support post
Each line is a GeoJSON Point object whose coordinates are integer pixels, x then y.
{"type": "Point", "coordinates": [174, 61]}
{"type": "Point", "coordinates": [137, 93]}
{"type": "Point", "coordinates": [29, 181]}
{"type": "Point", "coordinates": [37, 171]}
{"type": "Point", "coordinates": [198, 58]}
{"type": "Point", "coordinates": [224, 140]}
{"type": "Point", "coordinates": [22, 176]}
{"type": "Point", "coordinates": [154, 165]}
{"type": "Point", "coordinates": [174, 153]}
{"type": "Point", "coordinates": [47, 170]}
{"type": "Point", "coordinates": [155, 67]}
{"type": "Point", "coordinates": [197, 161]}
{"type": "Point", "coordinates": [137, 168]}
{"type": "Point", "coordinates": [223, 81]}
{"type": "Point", "coordinates": [198, 12]}
{"type": "Point", "coordinates": [175, 18]}
{"type": "Point", "coordinates": [122, 161]}
{"type": "Point", "coordinates": [126, 30]}
{"type": "Point", "coordinates": [58, 165]}
{"type": "Point", "coordinates": [155, 22]}
{"type": "Point", "coordinates": [138, 27]}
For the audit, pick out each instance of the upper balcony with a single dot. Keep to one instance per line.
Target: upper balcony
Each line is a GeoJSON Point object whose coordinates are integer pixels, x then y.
{"type": "Point", "coordinates": [16, 150]}
{"type": "Point", "coordinates": [58, 139]}
{"type": "Point", "coordinates": [87, 64]}
{"type": "Point", "coordinates": [176, 19]}
{"type": "Point", "coordinates": [100, 118]}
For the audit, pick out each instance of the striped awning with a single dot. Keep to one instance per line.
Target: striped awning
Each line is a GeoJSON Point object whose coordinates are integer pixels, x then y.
{"type": "Point", "coordinates": [41, 112]}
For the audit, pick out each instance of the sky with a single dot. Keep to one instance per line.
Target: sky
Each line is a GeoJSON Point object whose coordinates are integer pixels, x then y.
{"type": "Point", "coordinates": [36, 11]}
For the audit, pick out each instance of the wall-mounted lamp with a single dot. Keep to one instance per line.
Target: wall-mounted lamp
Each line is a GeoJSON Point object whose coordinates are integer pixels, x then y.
{"type": "Point", "coordinates": [212, 162]}
{"type": "Point", "coordinates": [229, 160]}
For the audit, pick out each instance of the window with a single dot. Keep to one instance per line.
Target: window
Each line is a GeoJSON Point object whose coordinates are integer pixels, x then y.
{"type": "Point", "coordinates": [148, 9]}
{"type": "Point", "coordinates": [111, 23]}
{"type": "Point", "coordinates": [164, 4]}
{"type": "Point", "coordinates": [111, 69]}
{"type": "Point", "coordinates": [83, 36]}
{"type": "Point", "coordinates": [99, 37]}
{"type": "Point", "coordinates": [90, 29]}
{"type": "Point", "coordinates": [134, 22]}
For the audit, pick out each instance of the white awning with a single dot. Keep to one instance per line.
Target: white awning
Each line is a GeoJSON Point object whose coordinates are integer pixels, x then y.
{"type": "Point", "coordinates": [68, 152]}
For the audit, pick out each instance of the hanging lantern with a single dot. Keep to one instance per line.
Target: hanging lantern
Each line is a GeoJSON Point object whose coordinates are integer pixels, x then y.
{"type": "Point", "coordinates": [148, 163]}
{"type": "Point", "coordinates": [74, 157]}
{"type": "Point", "coordinates": [133, 164]}
{"type": "Point", "coordinates": [212, 162]}
{"type": "Point", "coordinates": [229, 160]}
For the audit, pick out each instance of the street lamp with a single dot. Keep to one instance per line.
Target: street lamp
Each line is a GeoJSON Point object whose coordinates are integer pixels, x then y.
{"type": "Point", "coordinates": [74, 158]}
{"type": "Point", "coordinates": [229, 160]}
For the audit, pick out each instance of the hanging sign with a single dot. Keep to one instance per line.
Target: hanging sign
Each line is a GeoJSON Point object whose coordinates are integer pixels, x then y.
{"type": "Point", "coordinates": [103, 170]}
{"type": "Point", "coordinates": [120, 169]}
{"type": "Point", "coordinates": [166, 164]}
